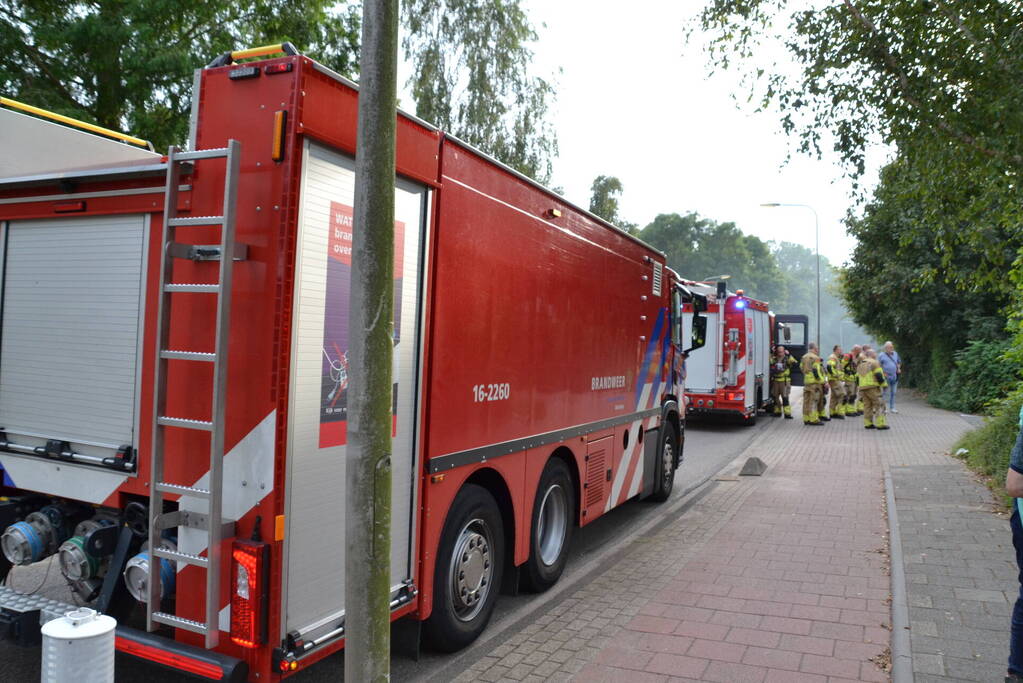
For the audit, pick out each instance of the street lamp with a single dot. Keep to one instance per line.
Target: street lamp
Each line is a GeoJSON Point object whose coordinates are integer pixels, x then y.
{"type": "Point", "coordinates": [713, 278]}
{"type": "Point", "coordinates": [817, 249]}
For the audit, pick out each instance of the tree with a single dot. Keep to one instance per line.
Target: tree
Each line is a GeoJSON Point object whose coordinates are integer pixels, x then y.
{"type": "Point", "coordinates": [699, 247]}
{"type": "Point", "coordinates": [472, 78]}
{"type": "Point", "coordinates": [798, 266]}
{"type": "Point", "coordinates": [927, 318]}
{"type": "Point", "coordinates": [604, 201]}
{"type": "Point", "coordinates": [783, 274]}
{"type": "Point", "coordinates": [127, 64]}
{"type": "Point", "coordinates": [926, 76]}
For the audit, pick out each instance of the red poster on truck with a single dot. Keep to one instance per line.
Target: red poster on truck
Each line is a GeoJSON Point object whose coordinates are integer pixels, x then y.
{"type": "Point", "coordinates": [334, 392]}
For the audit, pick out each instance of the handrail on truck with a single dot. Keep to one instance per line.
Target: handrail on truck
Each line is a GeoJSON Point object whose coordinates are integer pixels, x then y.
{"type": "Point", "coordinates": [248, 53]}
{"type": "Point", "coordinates": [91, 127]}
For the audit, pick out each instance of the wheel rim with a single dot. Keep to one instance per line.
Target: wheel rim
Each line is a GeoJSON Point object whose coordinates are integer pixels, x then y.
{"type": "Point", "coordinates": [472, 569]}
{"type": "Point", "coordinates": [552, 524]}
{"type": "Point", "coordinates": [667, 464]}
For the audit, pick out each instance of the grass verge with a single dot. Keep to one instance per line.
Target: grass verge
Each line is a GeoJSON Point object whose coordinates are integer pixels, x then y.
{"type": "Point", "coordinates": [988, 446]}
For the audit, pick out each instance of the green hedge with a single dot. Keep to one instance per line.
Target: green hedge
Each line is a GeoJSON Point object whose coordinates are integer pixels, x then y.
{"type": "Point", "coordinates": [989, 446]}
{"type": "Point", "coordinates": [979, 376]}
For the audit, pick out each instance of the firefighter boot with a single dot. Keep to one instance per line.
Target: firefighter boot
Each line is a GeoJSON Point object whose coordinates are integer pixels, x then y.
{"type": "Point", "coordinates": [777, 409]}
{"type": "Point", "coordinates": [880, 422]}
{"type": "Point", "coordinates": [812, 418]}
{"type": "Point", "coordinates": [787, 410]}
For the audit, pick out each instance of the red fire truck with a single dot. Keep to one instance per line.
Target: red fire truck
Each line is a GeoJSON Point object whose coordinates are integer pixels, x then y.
{"type": "Point", "coordinates": [174, 369]}
{"type": "Point", "coordinates": [729, 375]}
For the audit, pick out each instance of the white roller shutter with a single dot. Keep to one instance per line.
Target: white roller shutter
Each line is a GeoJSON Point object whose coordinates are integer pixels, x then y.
{"type": "Point", "coordinates": [69, 341]}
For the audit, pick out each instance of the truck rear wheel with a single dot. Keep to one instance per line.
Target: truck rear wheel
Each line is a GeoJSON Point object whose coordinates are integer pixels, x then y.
{"type": "Point", "coordinates": [551, 527]}
{"type": "Point", "coordinates": [467, 578]}
{"type": "Point", "coordinates": [665, 472]}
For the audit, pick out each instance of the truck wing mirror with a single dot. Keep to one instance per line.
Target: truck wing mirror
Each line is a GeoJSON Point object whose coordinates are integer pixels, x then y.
{"type": "Point", "coordinates": [787, 333]}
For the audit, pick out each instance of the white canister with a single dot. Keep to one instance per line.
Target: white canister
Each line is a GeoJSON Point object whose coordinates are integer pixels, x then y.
{"type": "Point", "coordinates": [79, 648]}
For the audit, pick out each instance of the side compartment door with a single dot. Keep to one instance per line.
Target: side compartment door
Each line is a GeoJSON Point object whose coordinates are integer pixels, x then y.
{"type": "Point", "coordinates": [72, 314]}
{"type": "Point", "coordinates": [318, 414]}
{"type": "Point", "coordinates": [760, 359]}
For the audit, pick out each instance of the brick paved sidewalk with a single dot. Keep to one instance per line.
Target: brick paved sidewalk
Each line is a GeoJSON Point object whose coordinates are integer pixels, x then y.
{"type": "Point", "coordinates": [960, 572]}
{"type": "Point", "coordinates": [775, 578]}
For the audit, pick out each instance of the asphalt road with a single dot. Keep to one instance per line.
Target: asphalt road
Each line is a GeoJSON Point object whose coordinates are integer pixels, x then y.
{"type": "Point", "coordinates": [709, 447]}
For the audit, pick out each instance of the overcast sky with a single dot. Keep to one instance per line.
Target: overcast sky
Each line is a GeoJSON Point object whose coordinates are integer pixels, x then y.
{"type": "Point", "coordinates": [635, 102]}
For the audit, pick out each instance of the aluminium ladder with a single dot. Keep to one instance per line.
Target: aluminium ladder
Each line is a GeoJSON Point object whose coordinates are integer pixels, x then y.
{"type": "Point", "coordinates": [211, 523]}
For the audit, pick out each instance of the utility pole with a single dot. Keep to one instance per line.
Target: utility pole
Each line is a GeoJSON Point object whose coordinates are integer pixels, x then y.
{"type": "Point", "coordinates": [368, 474]}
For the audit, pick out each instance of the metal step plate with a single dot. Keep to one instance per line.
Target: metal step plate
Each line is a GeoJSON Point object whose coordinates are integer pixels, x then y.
{"type": "Point", "coordinates": [20, 602]}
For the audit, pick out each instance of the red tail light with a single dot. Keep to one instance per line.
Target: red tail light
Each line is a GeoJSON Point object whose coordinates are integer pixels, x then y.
{"type": "Point", "coordinates": [249, 587]}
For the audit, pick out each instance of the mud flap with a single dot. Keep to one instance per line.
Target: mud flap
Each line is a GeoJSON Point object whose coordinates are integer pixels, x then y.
{"type": "Point", "coordinates": [406, 637]}
{"type": "Point", "coordinates": [651, 453]}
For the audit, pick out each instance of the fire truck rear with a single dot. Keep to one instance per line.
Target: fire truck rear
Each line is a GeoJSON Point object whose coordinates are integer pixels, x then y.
{"type": "Point", "coordinates": [174, 372]}
{"type": "Point", "coordinates": [729, 375]}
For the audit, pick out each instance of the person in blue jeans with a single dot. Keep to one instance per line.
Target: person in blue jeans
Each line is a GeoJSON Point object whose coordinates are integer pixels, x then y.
{"type": "Point", "coordinates": [892, 366]}
{"type": "Point", "coordinates": [1014, 487]}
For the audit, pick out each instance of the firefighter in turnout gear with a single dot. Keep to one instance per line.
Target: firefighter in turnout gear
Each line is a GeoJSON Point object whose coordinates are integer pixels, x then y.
{"type": "Point", "coordinates": [871, 380]}
{"type": "Point", "coordinates": [781, 381]}
{"type": "Point", "coordinates": [850, 386]}
{"type": "Point", "coordinates": [836, 381]}
{"type": "Point", "coordinates": [813, 385]}
{"type": "Point", "coordinates": [857, 356]}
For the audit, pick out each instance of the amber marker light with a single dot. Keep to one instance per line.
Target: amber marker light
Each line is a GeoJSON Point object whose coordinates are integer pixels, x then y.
{"type": "Point", "coordinates": [280, 122]}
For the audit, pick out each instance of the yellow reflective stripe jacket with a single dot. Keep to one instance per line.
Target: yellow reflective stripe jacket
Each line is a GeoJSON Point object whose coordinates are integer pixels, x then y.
{"type": "Point", "coordinates": [813, 371]}
{"type": "Point", "coordinates": [867, 373]}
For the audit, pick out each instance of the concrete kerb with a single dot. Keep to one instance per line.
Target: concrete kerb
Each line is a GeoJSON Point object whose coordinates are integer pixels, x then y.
{"type": "Point", "coordinates": [902, 651]}
{"type": "Point", "coordinates": [514, 621]}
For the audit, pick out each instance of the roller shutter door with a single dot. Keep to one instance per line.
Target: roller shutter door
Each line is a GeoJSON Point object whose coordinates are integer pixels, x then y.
{"type": "Point", "coordinates": [70, 333]}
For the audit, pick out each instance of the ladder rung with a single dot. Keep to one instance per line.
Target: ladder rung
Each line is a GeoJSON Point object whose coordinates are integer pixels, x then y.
{"type": "Point", "coordinates": [196, 220]}
{"type": "Point", "coordinates": [188, 355]}
{"type": "Point", "coordinates": [164, 487]}
{"type": "Point", "coordinates": [190, 287]}
{"type": "Point", "coordinates": [214, 153]}
{"type": "Point", "coordinates": [203, 425]}
{"type": "Point", "coordinates": [179, 622]}
{"type": "Point", "coordinates": [175, 556]}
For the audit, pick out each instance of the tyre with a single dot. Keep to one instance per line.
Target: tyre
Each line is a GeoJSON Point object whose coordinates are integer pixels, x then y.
{"type": "Point", "coordinates": [665, 470]}
{"type": "Point", "coordinates": [467, 577]}
{"type": "Point", "coordinates": [551, 528]}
